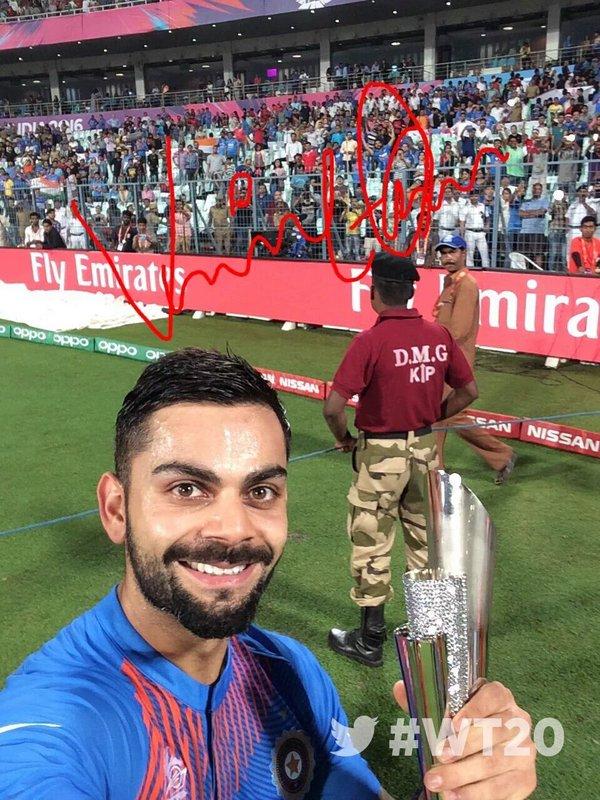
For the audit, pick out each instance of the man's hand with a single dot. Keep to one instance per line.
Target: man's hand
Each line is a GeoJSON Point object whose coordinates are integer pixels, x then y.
{"type": "Point", "coordinates": [473, 775]}
{"type": "Point", "coordinates": [347, 444]}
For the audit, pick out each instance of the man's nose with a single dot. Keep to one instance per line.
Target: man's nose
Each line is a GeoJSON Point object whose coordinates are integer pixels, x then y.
{"type": "Point", "coordinates": [228, 519]}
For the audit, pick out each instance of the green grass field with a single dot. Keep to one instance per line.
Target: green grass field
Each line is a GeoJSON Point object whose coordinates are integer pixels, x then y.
{"type": "Point", "coordinates": [58, 409]}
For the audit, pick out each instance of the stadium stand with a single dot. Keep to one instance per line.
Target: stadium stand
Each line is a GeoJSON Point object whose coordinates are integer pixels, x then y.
{"type": "Point", "coordinates": [523, 214]}
{"type": "Point", "coordinates": [24, 10]}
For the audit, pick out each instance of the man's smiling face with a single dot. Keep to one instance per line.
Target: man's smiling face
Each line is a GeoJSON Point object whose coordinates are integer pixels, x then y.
{"type": "Point", "coordinates": [206, 513]}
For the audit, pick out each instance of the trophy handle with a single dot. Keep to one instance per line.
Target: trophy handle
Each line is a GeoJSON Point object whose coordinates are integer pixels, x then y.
{"type": "Point", "coordinates": [423, 665]}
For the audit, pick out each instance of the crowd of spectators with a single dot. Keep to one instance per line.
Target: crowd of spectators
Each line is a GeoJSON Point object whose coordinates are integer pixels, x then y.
{"type": "Point", "coordinates": [522, 214]}
{"type": "Point", "coordinates": [18, 10]}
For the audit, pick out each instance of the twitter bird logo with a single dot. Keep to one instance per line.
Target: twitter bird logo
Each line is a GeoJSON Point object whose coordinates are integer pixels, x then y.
{"type": "Point", "coordinates": [352, 741]}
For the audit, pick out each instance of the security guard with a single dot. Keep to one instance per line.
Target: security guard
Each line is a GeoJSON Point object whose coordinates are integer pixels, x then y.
{"type": "Point", "coordinates": [457, 308]}
{"type": "Point", "coordinates": [398, 369]}
{"type": "Point", "coordinates": [473, 225]}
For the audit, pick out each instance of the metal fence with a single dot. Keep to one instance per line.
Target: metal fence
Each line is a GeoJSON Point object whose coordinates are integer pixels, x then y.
{"type": "Point", "coordinates": [525, 220]}
{"type": "Point", "coordinates": [285, 86]}
{"type": "Point", "coordinates": [281, 86]}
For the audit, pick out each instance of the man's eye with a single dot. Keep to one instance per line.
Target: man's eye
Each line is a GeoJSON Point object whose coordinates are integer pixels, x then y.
{"type": "Point", "coordinates": [263, 493]}
{"type": "Point", "coordinates": [186, 490]}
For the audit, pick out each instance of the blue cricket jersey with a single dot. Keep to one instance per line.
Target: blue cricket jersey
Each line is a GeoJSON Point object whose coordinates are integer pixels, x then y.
{"type": "Point", "coordinates": [98, 713]}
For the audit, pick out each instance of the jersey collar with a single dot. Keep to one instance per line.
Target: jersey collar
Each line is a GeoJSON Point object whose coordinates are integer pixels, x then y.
{"type": "Point", "coordinates": [398, 313]}
{"type": "Point", "coordinates": [156, 667]}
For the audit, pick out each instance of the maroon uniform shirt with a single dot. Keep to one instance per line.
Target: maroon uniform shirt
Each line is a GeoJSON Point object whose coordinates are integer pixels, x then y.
{"type": "Point", "coordinates": [398, 369]}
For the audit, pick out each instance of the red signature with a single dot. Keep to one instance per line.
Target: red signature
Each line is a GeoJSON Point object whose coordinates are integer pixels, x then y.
{"type": "Point", "coordinates": [240, 198]}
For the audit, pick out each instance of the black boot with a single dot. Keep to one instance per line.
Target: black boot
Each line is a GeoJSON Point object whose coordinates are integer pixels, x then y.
{"type": "Point", "coordinates": [364, 644]}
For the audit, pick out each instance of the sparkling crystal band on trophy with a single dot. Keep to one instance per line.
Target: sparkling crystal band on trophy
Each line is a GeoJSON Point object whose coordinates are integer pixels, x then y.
{"type": "Point", "coordinates": [443, 648]}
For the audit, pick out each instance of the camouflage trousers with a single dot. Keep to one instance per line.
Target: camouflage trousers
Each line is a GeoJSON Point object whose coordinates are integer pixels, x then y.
{"type": "Point", "coordinates": [389, 484]}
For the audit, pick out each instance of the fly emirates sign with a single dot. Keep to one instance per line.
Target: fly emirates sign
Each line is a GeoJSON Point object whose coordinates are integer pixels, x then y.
{"type": "Point", "coordinates": [62, 269]}
{"type": "Point", "coordinates": [547, 314]}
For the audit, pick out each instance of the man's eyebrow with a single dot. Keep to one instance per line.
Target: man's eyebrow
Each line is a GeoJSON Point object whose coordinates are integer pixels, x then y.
{"type": "Point", "coordinates": [207, 475]}
{"type": "Point", "coordinates": [191, 470]}
{"type": "Point", "coordinates": [265, 474]}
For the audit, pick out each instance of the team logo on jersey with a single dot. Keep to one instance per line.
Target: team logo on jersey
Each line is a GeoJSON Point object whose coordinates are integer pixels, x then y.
{"type": "Point", "coordinates": [293, 764]}
{"type": "Point", "coordinates": [307, 5]}
{"type": "Point", "coordinates": [176, 782]}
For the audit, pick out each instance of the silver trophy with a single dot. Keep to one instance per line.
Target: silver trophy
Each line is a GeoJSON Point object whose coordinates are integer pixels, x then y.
{"type": "Point", "coordinates": [443, 647]}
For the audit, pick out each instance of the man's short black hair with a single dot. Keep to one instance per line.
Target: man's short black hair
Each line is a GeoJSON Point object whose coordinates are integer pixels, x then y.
{"type": "Point", "coordinates": [394, 293]}
{"type": "Point", "coordinates": [190, 375]}
{"type": "Point", "coordinates": [588, 218]}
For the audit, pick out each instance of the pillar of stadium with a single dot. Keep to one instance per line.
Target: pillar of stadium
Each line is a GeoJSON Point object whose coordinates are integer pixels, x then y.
{"type": "Point", "coordinates": [429, 48]}
{"type": "Point", "coordinates": [324, 54]}
{"type": "Point", "coordinates": [227, 62]}
{"type": "Point", "coordinates": [54, 82]}
{"type": "Point", "coordinates": [140, 83]}
{"type": "Point", "coordinates": [553, 31]}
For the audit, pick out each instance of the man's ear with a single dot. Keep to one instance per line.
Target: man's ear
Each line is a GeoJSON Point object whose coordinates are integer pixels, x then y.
{"type": "Point", "coordinates": [112, 506]}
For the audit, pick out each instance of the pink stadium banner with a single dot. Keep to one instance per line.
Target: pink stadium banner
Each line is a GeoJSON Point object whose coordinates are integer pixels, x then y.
{"type": "Point", "coordinates": [144, 18]}
{"type": "Point", "coordinates": [81, 122]}
{"type": "Point", "coordinates": [544, 314]}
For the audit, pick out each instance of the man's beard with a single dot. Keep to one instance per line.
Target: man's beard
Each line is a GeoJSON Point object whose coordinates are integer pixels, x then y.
{"type": "Point", "coordinates": [207, 620]}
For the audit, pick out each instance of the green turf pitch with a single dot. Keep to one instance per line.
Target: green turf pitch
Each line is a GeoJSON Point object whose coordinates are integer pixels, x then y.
{"type": "Point", "coordinates": [58, 408]}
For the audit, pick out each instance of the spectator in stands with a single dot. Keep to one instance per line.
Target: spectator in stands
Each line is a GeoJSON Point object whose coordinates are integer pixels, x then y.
{"type": "Point", "coordinates": [447, 218]}
{"type": "Point", "coordinates": [515, 168]}
{"type": "Point", "coordinates": [183, 227]}
{"type": "Point", "coordinates": [533, 225]}
{"type": "Point", "coordinates": [593, 154]}
{"type": "Point", "coordinates": [34, 234]}
{"type": "Point", "coordinates": [124, 195]}
{"type": "Point", "coordinates": [353, 239]}
{"type": "Point", "coordinates": [218, 218]}
{"type": "Point", "coordinates": [584, 253]}
{"type": "Point", "coordinates": [153, 160]}
{"type": "Point", "coordinates": [567, 157]}
{"type": "Point", "coordinates": [292, 149]}
{"type": "Point", "coordinates": [370, 241]}
{"type": "Point", "coordinates": [557, 233]}
{"type": "Point", "coordinates": [191, 163]}
{"type": "Point", "coordinates": [215, 164]}
{"type": "Point", "coordinates": [143, 241]}
{"type": "Point", "coordinates": [594, 200]}
{"type": "Point", "coordinates": [148, 194]}
{"type": "Point", "coordinates": [348, 149]}
{"type": "Point", "coordinates": [125, 233]}
{"type": "Point", "coordinates": [576, 212]}
{"type": "Point", "coordinates": [52, 240]}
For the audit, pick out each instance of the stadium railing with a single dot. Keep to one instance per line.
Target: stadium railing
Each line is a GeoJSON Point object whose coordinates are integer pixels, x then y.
{"type": "Point", "coordinates": [505, 241]}
{"type": "Point", "coordinates": [69, 12]}
{"type": "Point", "coordinates": [217, 94]}
{"type": "Point", "coordinates": [453, 70]}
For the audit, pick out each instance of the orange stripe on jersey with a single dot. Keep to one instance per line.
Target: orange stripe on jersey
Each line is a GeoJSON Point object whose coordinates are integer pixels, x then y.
{"type": "Point", "coordinates": [154, 778]}
{"type": "Point", "coordinates": [175, 738]}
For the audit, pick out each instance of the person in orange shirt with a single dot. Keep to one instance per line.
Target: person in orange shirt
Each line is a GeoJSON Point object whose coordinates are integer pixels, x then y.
{"type": "Point", "coordinates": [423, 120]}
{"type": "Point", "coordinates": [584, 256]}
{"type": "Point", "coordinates": [457, 308]}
